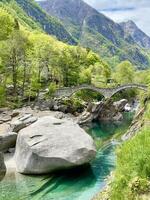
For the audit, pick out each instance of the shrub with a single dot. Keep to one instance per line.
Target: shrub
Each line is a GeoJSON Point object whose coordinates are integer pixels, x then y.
{"type": "Point", "coordinates": [52, 88]}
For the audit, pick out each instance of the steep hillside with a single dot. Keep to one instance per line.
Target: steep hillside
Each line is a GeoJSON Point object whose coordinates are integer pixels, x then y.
{"type": "Point", "coordinates": [92, 29]}
{"type": "Point", "coordinates": [31, 60]}
{"type": "Point", "coordinates": [132, 31]}
{"type": "Point", "coordinates": [31, 14]}
{"type": "Point", "coordinates": [76, 14]}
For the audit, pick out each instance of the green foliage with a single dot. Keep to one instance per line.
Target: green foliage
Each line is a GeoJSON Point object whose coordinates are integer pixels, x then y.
{"type": "Point", "coordinates": [85, 76]}
{"type": "Point", "coordinates": [49, 24]}
{"type": "Point", "coordinates": [89, 95]}
{"type": "Point", "coordinates": [31, 16]}
{"type": "Point", "coordinates": [52, 88]}
{"type": "Point", "coordinates": [7, 24]}
{"type": "Point", "coordinates": [124, 73]}
{"type": "Point", "coordinates": [142, 77]}
{"type": "Point", "coordinates": [73, 105]}
{"type": "Point", "coordinates": [132, 175]}
{"type": "Point", "coordinates": [33, 61]}
{"type": "Point", "coordinates": [2, 96]}
{"type": "Point", "coordinates": [100, 74]}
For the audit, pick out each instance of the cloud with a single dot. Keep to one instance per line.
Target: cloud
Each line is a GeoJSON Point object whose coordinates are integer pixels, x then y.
{"type": "Point", "coordinates": [123, 10]}
{"type": "Point", "coordinates": [102, 4]}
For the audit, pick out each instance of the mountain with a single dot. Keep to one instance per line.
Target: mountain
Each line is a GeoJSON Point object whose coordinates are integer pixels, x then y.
{"type": "Point", "coordinates": [131, 30]}
{"type": "Point", "coordinates": [96, 31]}
{"type": "Point", "coordinates": [30, 13]}
{"type": "Point", "coordinates": [76, 14]}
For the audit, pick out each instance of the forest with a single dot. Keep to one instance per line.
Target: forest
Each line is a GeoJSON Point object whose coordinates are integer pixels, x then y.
{"type": "Point", "coordinates": [31, 61]}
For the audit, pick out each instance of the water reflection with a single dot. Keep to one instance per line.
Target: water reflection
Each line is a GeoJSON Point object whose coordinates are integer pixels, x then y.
{"type": "Point", "coordinates": [68, 180]}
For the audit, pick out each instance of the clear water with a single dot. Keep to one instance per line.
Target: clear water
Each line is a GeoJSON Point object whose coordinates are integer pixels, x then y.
{"type": "Point", "coordinates": [76, 184]}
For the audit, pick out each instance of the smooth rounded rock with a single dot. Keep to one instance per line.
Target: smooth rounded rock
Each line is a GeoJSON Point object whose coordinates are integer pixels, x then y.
{"type": "Point", "coordinates": [52, 144]}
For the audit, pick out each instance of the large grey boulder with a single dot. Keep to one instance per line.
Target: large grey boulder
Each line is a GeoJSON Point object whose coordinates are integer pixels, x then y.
{"type": "Point", "coordinates": [2, 167]}
{"type": "Point", "coordinates": [52, 144]}
{"type": "Point", "coordinates": [7, 140]}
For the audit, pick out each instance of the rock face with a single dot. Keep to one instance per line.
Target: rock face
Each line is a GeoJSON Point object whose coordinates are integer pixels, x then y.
{"type": "Point", "coordinates": [52, 144]}
{"type": "Point", "coordinates": [103, 111]}
{"type": "Point", "coordinates": [120, 105]}
{"type": "Point", "coordinates": [135, 126]}
{"type": "Point", "coordinates": [2, 167]}
{"type": "Point", "coordinates": [132, 31]}
{"type": "Point", "coordinates": [7, 140]}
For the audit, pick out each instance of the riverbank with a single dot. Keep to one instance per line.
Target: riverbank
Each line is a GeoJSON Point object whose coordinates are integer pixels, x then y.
{"type": "Point", "coordinates": [80, 183]}
{"type": "Point", "coordinates": [130, 179]}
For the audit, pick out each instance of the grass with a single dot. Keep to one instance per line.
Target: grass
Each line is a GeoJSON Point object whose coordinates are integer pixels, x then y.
{"type": "Point", "coordinates": [132, 175]}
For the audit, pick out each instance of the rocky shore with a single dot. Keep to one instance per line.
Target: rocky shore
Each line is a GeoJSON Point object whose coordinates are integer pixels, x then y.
{"type": "Point", "coordinates": [45, 141]}
{"type": "Point", "coordinates": [105, 111]}
{"type": "Point", "coordinates": [134, 128]}
{"type": "Point", "coordinates": [51, 140]}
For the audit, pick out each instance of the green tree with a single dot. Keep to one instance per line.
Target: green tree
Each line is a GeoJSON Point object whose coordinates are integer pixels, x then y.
{"type": "Point", "coordinates": [14, 55]}
{"type": "Point", "coordinates": [6, 24]}
{"type": "Point", "coordinates": [124, 73]}
{"type": "Point", "coordinates": [68, 66]}
{"type": "Point", "coordinates": [100, 74]}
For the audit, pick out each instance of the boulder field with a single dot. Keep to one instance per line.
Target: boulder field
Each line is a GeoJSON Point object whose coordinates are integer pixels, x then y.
{"type": "Point", "coordinates": [103, 111]}
{"type": "Point", "coordinates": [52, 144]}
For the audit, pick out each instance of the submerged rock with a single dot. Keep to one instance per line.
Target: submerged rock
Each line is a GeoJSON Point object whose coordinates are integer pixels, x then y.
{"type": "Point", "coordinates": [52, 144]}
{"type": "Point", "coordinates": [2, 167]}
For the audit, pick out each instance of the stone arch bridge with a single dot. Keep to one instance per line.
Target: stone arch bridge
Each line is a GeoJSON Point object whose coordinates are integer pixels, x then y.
{"type": "Point", "coordinates": [106, 92]}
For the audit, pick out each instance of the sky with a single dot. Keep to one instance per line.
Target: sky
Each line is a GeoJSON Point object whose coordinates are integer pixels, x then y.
{"type": "Point", "coordinates": [124, 10]}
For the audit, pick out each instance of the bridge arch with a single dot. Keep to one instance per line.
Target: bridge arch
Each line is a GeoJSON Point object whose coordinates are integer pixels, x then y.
{"type": "Point", "coordinates": [127, 86]}
{"type": "Point", "coordinates": [106, 92]}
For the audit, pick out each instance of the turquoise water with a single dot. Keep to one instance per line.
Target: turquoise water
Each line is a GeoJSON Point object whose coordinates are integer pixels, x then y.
{"type": "Point", "coordinates": [76, 184]}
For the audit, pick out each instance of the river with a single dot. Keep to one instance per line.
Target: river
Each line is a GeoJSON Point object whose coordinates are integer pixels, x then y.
{"type": "Point", "coordinates": [76, 184]}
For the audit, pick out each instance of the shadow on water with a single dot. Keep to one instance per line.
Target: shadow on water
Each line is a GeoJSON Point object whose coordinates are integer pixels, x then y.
{"type": "Point", "coordinates": [80, 176]}
{"type": "Point", "coordinates": [78, 180]}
